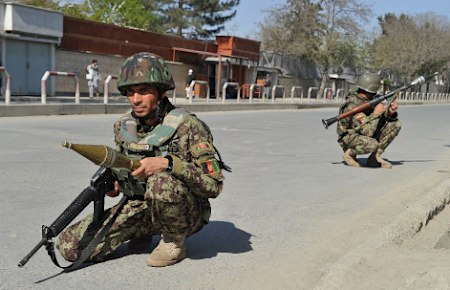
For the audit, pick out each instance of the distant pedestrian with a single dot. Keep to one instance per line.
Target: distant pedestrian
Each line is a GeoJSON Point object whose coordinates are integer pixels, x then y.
{"type": "Point", "coordinates": [93, 77]}
{"type": "Point", "coordinates": [189, 79]}
{"type": "Point", "coordinates": [267, 83]}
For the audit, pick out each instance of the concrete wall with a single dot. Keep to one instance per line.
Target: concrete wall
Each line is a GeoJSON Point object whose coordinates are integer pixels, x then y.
{"type": "Point", "coordinates": [73, 61]}
{"type": "Point", "coordinates": [288, 83]}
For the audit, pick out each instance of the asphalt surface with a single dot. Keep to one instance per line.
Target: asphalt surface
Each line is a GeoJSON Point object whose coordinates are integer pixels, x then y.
{"type": "Point", "coordinates": [288, 181]}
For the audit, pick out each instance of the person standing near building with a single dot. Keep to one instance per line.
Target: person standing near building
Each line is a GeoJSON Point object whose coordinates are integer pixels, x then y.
{"type": "Point", "coordinates": [93, 78]}
{"type": "Point", "coordinates": [267, 83]}
{"type": "Point", "coordinates": [189, 80]}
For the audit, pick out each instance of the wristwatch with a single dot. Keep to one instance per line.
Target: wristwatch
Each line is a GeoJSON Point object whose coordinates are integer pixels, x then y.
{"type": "Point", "coordinates": [170, 164]}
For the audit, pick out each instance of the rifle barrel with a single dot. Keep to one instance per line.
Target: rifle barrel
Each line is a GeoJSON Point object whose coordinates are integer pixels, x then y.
{"type": "Point", "coordinates": [32, 252]}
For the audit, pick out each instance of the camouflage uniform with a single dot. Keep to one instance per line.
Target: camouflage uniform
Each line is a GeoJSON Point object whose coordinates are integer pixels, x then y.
{"type": "Point", "coordinates": [363, 132]}
{"type": "Point", "coordinates": [169, 203]}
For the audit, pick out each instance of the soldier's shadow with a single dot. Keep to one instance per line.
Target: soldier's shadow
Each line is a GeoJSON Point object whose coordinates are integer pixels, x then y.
{"type": "Point", "coordinates": [215, 237]}
{"type": "Point", "coordinates": [218, 237]}
{"type": "Point", "coordinates": [363, 162]}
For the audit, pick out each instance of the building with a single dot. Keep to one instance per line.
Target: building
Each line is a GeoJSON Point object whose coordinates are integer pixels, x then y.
{"type": "Point", "coordinates": [36, 40]}
{"type": "Point", "coordinates": [29, 40]}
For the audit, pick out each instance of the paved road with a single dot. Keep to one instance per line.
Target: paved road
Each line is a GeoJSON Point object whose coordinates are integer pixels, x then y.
{"type": "Point", "coordinates": [288, 192]}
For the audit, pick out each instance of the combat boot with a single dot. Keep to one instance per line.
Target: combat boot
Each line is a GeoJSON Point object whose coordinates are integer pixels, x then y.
{"type": "Point", "coordinates": [139, 243]}
{"type": "Point", "coordinates": [350, 158]}
{"type": "Point", "coordinates": [375, 160]}
{"type": "Point", "coordinates": [170, 250]}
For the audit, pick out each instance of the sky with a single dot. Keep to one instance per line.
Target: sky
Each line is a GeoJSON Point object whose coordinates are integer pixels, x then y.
{"type": "Point", "coordinates": [251, 12]}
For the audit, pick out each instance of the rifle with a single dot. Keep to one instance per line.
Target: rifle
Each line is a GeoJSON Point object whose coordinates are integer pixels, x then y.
{"type": "Point", "coordinates": [372, 103]}
{"type": "Point", "coordinates": [101, 182]}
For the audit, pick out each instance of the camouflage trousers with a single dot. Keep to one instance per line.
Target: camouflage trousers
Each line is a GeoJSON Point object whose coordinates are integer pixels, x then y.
{"type": "Point", "coordinates": [167, 207]}
{"type": "Point", "coordinates": [362, 144]}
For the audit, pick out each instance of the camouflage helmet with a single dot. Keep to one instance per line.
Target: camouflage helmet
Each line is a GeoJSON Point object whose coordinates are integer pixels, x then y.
{"type": "Point", "coordinates": [369, 82]}
{"type": "Point", "coordinates": [145, 68]}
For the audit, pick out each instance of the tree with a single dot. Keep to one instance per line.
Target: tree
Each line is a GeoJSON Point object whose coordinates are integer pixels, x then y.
{"type": "Point", "coordinates": [326, 31]}
{"type": "Point", "coordinates": [341, 20]}
{"type": "Point", "coordinates": [196, 18]}
{"type": "Point", "coordinates": [187, 18]}
{"type": "Point", "coordinates": [292, 29]}
{"type": "Point", "coordinates": [48, 4]}
{"type": "Point", "coordinates": [413, 46]}
{"type": "Point", "coordinates": [127, 13]}
{"type": "Point", "coordinates": [76, 10]}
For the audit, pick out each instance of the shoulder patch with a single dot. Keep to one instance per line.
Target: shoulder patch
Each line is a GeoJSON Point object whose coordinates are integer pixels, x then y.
{"type": "Point", "coordinates": [361, 117]}
{"type": "Point", "coordinates": [210, 167]}
{"type": "Point", "coordinates": [202, 148]}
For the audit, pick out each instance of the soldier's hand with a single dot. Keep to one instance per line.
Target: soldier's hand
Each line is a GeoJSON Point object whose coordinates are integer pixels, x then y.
{"type": "Point", "coordinates": [378, 110]}
{"type": "Point", "coordinates": [115, 191]}
{"type": "Point", "coordinates": [150, 166]}
{"type": "Point", "coordinates": [393, 108]}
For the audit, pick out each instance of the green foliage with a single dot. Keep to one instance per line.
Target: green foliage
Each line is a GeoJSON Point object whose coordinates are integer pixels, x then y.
{"type": "Point", "coordinates": [412, 46]}
{"type": "Point", "coordinates": [126, 13]}
{"type": "Point", "coordinates": [48, 4]}
{"type": "Point", "coordinates": [196, 18]}
{"type": "Point", "coordinates": [325, 31]}
{"type": "Point", "coordinates": [76, 10]}
{"type": "Point", "coordinates": [294, 28]}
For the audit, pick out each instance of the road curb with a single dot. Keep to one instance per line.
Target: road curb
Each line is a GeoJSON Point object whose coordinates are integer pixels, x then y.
{"type": "Point", "coordinates": [406, 225]}
{"type": "Point", "coordinates": [20, 110]}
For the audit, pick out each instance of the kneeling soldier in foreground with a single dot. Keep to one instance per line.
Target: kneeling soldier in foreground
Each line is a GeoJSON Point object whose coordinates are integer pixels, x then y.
{"type": "Point", "coordinates": [169, 192]}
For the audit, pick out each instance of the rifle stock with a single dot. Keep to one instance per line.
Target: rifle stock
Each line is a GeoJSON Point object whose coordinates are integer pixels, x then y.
{"type": "Point", "coordinates": [372, 103]}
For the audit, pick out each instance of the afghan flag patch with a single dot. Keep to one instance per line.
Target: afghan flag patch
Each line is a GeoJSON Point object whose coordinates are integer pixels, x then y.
{"type": "Point", "coordinates": [361, 118]}
{"type": "Point", "coordinates": [210, 166]}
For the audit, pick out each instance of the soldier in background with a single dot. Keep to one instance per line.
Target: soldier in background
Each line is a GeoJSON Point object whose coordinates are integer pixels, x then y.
{"type": "Point", "coordinates": [370, 131]}
{"type": "Point", "coordinates": [169, 192]}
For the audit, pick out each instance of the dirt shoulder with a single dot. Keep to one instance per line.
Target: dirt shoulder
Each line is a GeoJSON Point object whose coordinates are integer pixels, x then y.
{"type": "Point", "coordinates": [411, 252]}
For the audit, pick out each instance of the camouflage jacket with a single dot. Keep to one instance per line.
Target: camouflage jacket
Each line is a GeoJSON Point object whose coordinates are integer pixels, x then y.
{"type": "Point", "coordinates": [364, 123]}
{"type": "Point", "coordinates": [190, 145]}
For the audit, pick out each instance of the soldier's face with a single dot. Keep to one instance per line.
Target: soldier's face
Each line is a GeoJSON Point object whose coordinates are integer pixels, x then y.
{"type": "Point", "coordinates": [370, 96]}
{"type": "Point", "coordinates": [143, 99]}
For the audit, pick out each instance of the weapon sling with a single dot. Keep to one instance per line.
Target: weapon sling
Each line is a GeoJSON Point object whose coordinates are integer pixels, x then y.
{"type": "Point", "coordinates": [92, 244]}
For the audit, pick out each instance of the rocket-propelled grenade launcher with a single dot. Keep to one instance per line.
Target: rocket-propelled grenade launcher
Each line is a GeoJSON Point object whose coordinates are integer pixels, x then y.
{"type": "Point", "coordinates": [103, 156]}
{"type": "Point", "coordinates": [372, 103]}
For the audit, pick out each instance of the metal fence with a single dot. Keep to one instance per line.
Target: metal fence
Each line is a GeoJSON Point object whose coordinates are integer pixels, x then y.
{"type": "Point", "coordinates": [232, 92]}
